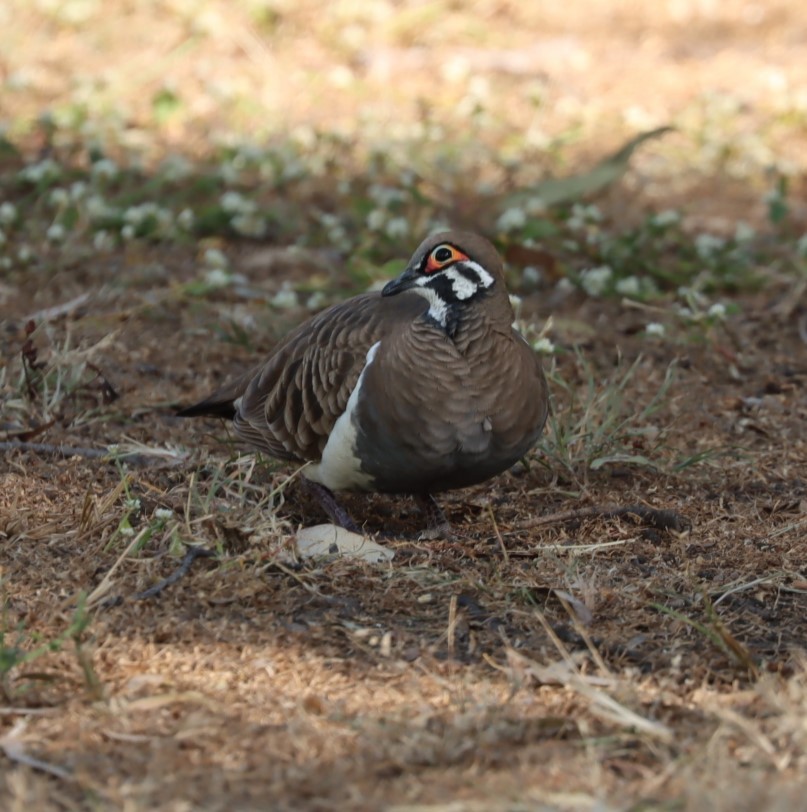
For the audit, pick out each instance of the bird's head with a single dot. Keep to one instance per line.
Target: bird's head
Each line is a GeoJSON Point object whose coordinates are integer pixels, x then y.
{"type": "Point", "coordinates": [451, 270]}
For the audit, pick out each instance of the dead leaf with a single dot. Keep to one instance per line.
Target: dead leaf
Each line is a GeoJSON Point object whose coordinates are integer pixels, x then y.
{"type": "Point", "coordinates": [328, 539]}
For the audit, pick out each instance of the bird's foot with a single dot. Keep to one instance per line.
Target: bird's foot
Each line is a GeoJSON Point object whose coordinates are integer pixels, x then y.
{"type": "Point", "coordinates": [437, 525]}
{"type": "Point", "coordinates": [331, 505]}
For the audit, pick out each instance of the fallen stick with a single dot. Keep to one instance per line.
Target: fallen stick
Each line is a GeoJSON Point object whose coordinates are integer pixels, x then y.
{"type": "Point", "coordinates": [180, 572]}
{"type": "Point", "coordinates": [130, 457]}
{"type": "Point", "coordinates": [660, 519]}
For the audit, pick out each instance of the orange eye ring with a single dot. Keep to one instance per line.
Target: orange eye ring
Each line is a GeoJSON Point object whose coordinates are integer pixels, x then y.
{"type": "Point", "coordinates": [442, 256]}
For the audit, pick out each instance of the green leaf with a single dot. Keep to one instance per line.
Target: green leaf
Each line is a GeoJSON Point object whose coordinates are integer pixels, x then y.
{"type": "Point", "coordinates": [165, 104]}
{"type": "Point", "coordinates": [556, 191]}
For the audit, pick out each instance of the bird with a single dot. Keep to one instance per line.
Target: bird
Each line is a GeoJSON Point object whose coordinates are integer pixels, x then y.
{"type": "Point", "coordinates": [421, 388]}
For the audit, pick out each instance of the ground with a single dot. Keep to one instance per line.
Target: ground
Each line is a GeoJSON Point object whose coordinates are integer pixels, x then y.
{"type": "Point", "coordinates": [182, 183]}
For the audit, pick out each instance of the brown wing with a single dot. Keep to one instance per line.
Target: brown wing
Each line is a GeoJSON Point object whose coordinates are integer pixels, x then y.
{"type": "Point", "coordinates": [289, 404]}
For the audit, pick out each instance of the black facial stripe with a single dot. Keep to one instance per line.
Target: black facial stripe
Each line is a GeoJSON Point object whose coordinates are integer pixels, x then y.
{"type": "Point", "coordinates": [442, 286]}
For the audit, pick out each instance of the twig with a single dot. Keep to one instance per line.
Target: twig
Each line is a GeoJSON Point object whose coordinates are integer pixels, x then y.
{"type": "Point", "coordinates": [132, 457]}
{"type": "Point", "coordinates": [11, 744]}
{"type": "Point", "coordinates": [180, 572]}
{"type": "Point", "coordinates": [660, 519]}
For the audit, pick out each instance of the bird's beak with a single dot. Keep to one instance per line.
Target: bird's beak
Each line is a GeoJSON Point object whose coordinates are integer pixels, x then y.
{"type": "Point", "coordinates": [404, 282]}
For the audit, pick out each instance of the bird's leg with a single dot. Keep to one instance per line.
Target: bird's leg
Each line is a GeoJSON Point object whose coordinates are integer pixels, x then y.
{"type": "Point", "coordinates": [331, 505]}
{"type": "Point", "coordinates": [437, 526]}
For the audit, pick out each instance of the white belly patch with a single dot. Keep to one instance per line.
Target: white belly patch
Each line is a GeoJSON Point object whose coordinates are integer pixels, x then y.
{"type": "Point", "coordinates": [340, 469]}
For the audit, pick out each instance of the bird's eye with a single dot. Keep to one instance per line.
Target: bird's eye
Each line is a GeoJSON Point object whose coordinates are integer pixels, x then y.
{"type": "Point", "coordinates": [441, 256]}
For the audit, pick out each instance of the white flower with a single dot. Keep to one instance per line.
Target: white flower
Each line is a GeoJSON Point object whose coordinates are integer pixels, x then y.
{"type": "Point", "coordinates": [56, 232]}
{"type": "Point", "coordinates": [285, 298]}
{"type": "Point", "coordinates": [132, 504]}
{"type": "Point", "coordinates": [511, 220]}
{"type": "Point", "coordinates": [103, 241]}
{"type": "Point", "coordinates": [105, 169]}
{"type": "Point", "coordinates": [58, 197]}
{"type": "Point", "coordinates": [654, 329]}
{"type": "Point", "coordinates": [126, 531]}
{"type": "Point", "coordinates": [250, 224]}
{"type": "Point", "coordinates": [77, 190]}
{"type": "Point", "coordinates": [531, 276]}
{"type": "Point", "coordinates": [668, 217]}
{"type": "Point", "coordinates": [135, 215]}
{"type": "Point", "coordinates": [397, 228]}
{"type": "Point", "coordinates": [717, 311]}
{"type": "Point", "coordinates": [595, 280]}
{"type": "Point", "coordinates": [214, 258]}
{"type": "Point", "coordinates": [707, 245]}
{"type": "Point", "coordinates": [743, 232]}
{"type": "Point", "coordinates": [127, 232]}
{"type": "Point", "coordinates": [185, 219]}
{"type": "Point", "coordinates": [98, 208]}
{"type": "Point", "coordinates": [163, 513]}
{"type": "Point", "coordinates": [25, 254]}
{"type": "Point", "coordinates": [629, 286]}
{"type": "Point", "coordinates": [535, 205]}
{"type": "Point", "coordinates": [8, 213]}
{"type": "Point", "coordinates": [376, 219]}
{"type": "Point", "coordinates": [175, 167]}
{"type": "Point", "coordinates": [46, 170]}
{"type": "Point", "coordinates": [218, 278]}
{"type": "Point", "coordinates": [543, 346]}
{"type": "Point", "coordinates": [236, 203]}
{"type": "Point", "coordinates": [316, 300]}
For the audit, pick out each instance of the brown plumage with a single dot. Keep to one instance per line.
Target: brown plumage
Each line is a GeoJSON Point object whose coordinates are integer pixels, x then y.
{"type": "Point", "coordinates": [421, 388]}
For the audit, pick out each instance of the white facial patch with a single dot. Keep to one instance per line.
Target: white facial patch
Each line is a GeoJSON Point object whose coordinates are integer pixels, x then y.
{"type": "Point", "coordinates": [485, 279]}
{"type": "Point", "coordinates": [438, 309]}
{"type": "Point", "coordinates": [463, 288]}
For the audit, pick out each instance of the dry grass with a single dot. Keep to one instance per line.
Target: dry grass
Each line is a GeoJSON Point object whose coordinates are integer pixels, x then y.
{"type": "Point", "coordinates": [585, 665]}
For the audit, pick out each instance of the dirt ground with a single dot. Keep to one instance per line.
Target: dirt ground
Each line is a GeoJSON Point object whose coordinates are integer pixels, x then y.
{"type": "Point", "coordinates": [584, 663]}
